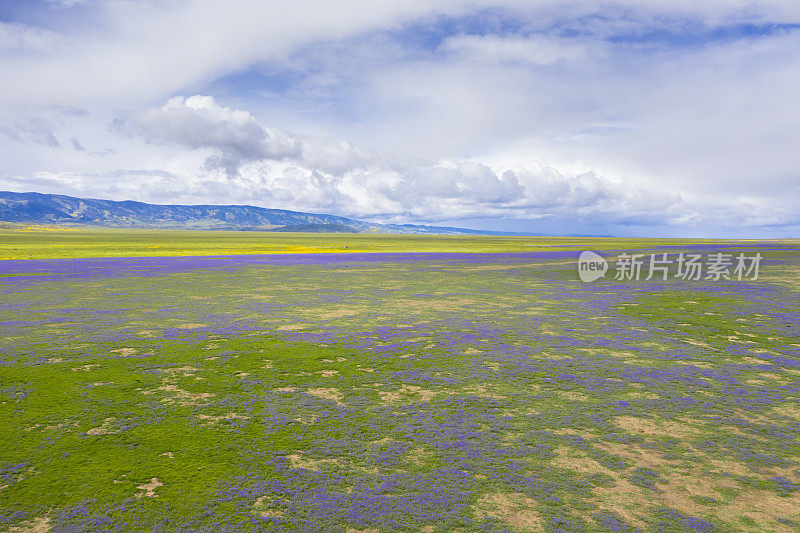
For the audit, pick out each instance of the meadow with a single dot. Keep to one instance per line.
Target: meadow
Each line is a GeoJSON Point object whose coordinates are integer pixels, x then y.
{"type": "Point", "coordinates": [18, 241]}
{"type": "Point", "coordinates": [168, 381]}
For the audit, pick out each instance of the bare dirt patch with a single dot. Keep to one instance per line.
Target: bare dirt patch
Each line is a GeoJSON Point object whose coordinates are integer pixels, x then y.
{"type": "Point", "coordinates": [765, 508]}
{"type": "Point", "coordinates": [699, 364]}
{"type": "Point", "coordinates": [574, 459]}
{"type": "Point", "coordinates": [337, 313]}
{"type": "Point", "coordinates": [790, 409]}
{"type": "Point", "coordinates": [177, 395]}
{"type": "Point", "coordinates": [298, 461]}
{"type": "Point", "coordinates": [35, 525]}
{"type": "Point", "coordinates": [125, 352]}
{"type": "Point", "coordinates": [84, 368]}
{"type": "Point", "coordinates": [638, 456]}
{"type": "Point", "coordinates": [434, 304]}
{"type": "Point", "coordinates": [684, 489]}
{"type": "Point", "coordinates": [148, 489]}
{"type": "Point", "coordinates": [211, 420]}
{"type": "Point", "coordinates": [515, 509]}
{"type": "Point", "coordinates": [655, 427]}
{"type": "Point", "coordinates": [418, 393]}
{"type": "Point", "coordinates": [260, 508]}
{"type": "Point", "coordinates": [106, 429]}
{"type": "Point", "coordinates": [328, 394]}
{"type": "Point", "coordinates": [417, 455]}
{"type": "Point", "coordinates": [483, 392]}
{"type": "Point", "coordinates": [183, 397]}
{"type": "Point", "coordinates": [755, 361]}
{"type": "Point", "coordinates": [573, 396]}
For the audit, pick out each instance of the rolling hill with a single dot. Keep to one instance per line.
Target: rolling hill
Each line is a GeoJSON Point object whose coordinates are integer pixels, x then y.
{"type": "Point", "coordinates": [37, 208]}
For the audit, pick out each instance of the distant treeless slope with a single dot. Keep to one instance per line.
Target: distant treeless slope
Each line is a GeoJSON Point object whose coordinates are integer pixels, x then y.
{"type": "Point", "coordinates": [37, 208]}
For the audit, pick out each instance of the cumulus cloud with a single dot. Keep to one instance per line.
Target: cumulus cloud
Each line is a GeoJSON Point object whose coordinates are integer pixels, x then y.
{"type": "Point", "coordinates": [283, 169]}
{"type": "Point", "coordinates": [199, 122]}
{"type": "Point", "coordinates": [466, 180]}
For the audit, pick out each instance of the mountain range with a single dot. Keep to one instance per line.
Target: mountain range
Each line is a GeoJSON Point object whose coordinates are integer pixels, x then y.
{"type": "Point", "coordinates": [37, 208]}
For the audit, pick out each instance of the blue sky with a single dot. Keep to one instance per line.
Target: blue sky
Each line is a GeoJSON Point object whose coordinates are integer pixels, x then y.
{"type": "Point", "coordinates": [616, 117]}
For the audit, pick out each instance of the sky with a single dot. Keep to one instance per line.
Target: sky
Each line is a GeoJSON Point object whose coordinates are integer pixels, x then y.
{"type": "Point", "coordinates": [671, 118]}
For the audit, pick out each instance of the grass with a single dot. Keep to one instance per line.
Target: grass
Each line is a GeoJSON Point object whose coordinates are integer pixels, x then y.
{"type": "Point", "coordinates": [488, 394]}
{"type": "Point", "coordinates": [43, 242]}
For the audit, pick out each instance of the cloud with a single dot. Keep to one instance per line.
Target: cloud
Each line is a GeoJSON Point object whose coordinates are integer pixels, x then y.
{"type": "Point", "coordinates": [76, 144]}
{"type": "Point", "coordinates": [465, 180]}
{"type": "Point", "coordinates": [37, 129]}
{"type": "Point", "coordinates": [67, 3]}
{"type": "Point", "coordinates": [149, 49]}
{"type": "Point", "coordinates": [310, 173]}
{"type": "Point", "coordinates": [537, 49]}
{"type": "Point", "coordinates": [198, 122]}
{"type": "Point", "coordinates": [675, 112]}
{"type": "Point", "coordinates": [20, 38]}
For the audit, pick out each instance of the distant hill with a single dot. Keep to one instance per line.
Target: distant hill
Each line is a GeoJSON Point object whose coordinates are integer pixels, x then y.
{"type": "Point", "coordinates": [37, 208]}
{"type": "Point", "coordinates": [317, 228]}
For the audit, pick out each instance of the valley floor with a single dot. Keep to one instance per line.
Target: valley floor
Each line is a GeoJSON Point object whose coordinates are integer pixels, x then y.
{"type": "Point", "coordinates": [396, 392]}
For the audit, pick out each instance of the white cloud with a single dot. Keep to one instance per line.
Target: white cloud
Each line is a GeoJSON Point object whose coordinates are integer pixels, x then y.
{"type": "Point", "coordinates": [68, 3]}
{"type": "Point", "coordinates": [537, 49]}
{"type": "Point", "coordinates": [149, 48]}
{"type": "Point", "coordinates": [578, 111]}
{"type": "Point", "coordinates": [19, 38]}
{"type": "Point", "coordinates": [310, 173]}
{"type": "Point", "coordinates": [199, 122]}
{"type": "Point", "coordinates": [274, 168]}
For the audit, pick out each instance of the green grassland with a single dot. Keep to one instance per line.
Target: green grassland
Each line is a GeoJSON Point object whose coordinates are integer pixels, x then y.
{"type": "Point", "coordinates": [488, 396]}
{"type": "Point", "coordinates": [47, 242]}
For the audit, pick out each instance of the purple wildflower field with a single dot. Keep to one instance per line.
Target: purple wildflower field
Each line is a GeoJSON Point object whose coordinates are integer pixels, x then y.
{"type": "Point", "coordinates": [397, 392]}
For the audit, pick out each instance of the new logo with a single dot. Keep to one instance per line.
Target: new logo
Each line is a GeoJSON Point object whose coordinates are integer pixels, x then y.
{"type": "Point", "coordinates": [591, 266]}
